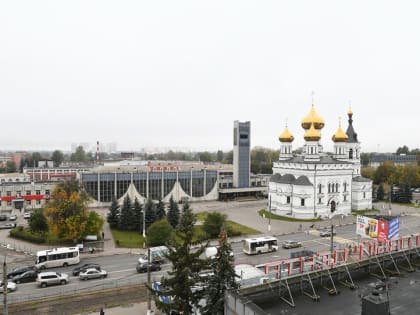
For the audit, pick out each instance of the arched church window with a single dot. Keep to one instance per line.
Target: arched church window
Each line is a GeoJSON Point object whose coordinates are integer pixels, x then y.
{"type": "Point", "coordinates": [302, 202]}
{"type": "Point", "coordinates": [345, 186]}
{"type": "Point", "coordinates": [336, 187]}
{"type": "Point", "coordinates": [329, 188]}
{"type": "Point", "coordinates": [319, 188]}
{"type": "Point", "coordinates": [350, 153]}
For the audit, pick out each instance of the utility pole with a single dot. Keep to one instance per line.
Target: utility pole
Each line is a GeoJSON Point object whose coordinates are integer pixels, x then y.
{"type": "Point", "coordinates": [149, 302]}
{"type": "Point", "coordinates": [332, 242]}
{"type": "Point", "coordinates": [5, 311]}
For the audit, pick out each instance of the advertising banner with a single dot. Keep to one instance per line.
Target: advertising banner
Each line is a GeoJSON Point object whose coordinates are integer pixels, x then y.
{"type": "Point", "coordinates": [366, 227]}
{"type": "Point", "coordinates": [382, 230]}
{"type": "Point", "coordinates": [394, 228]}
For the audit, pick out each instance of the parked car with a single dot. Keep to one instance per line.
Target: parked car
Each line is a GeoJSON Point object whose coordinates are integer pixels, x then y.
{"type": "Point", "coordinates": [76, 271]}
{"type": "Point", "coordinates": [13, 217]}
{"type": "Point", "coordinates": [11, 286]}
{"type": "Point", "coordinates": [291, 244]}
{"type": "Point", "coordinates": [51, 278]}
{"type": "Point", "coordinates": [19, 270]}
{"type": "Point", "coordinates": [92, 273]}
{"type": "Point", "coordinates": [3, 217]}
{"type": "Point", "coordinates": [8, 226]}
{"type": "Point", "coordinates": [325, 233]}
{"type": "Point", "coordinates": [26, 215]}
{"type": "Point", "coordinates": [142, 267]}
{"type": "Point", "coordinates": [28, 276]}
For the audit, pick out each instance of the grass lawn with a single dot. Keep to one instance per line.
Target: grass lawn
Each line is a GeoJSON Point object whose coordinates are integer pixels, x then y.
{"type": "Point", "coordinates": [270, 215]}
{"type": "Point", "coordinates": [362, 212]}
{"type": "Point", "coordinates": [128, 239]}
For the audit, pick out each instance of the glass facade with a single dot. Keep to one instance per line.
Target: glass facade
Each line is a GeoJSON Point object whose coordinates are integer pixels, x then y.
{"type": "Point", "coordinates": [156, 185]}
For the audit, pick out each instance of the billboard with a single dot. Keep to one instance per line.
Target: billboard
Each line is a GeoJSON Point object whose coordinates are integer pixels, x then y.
{"type": "Point", "coordinates": [383, 228]}
{"type": "Point", "coordinates": [366, 227]}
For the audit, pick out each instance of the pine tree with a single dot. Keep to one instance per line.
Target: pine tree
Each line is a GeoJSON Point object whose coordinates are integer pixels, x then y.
{"type": "Point", "coordinates": [173, 213]}
{"type": "Point", "coordinates": [224, 277]}
{"type": "Point", "coordinates": [126, 218]}
{"type": "Point", "coordinates": [137, 216]}
{"type": "Point", "coordinates": [150, 212]}
{"type": "Point", "coordinates": [113, 213]}
{"type": "Point", "coordinates": [186, 266]}
{"type": "Point", "coordinates": [160, 210]}
{"type": "Point", "coordinates": [380, 193]}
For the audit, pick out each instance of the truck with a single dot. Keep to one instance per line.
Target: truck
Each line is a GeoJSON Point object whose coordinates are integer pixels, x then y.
{"type": "Point", "coordinates": [157, 255]}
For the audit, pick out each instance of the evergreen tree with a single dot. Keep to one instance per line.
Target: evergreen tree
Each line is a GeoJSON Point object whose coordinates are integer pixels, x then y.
{"type": "Point", "coordinates": [38, 222]}
{"type": "Point", "coordinates": [223, 277]}
{"type": "Point", "coordinates": [186, 265]}
{"type": "Point", "coordinates": [126, 218]}
{"type": "Point", "coordinates": [173, 213]}
{"type": "Point", "coordinates": [150, 212]}
{"type": "Point", "coordinates": [114, 210]}
{"type": "Point", "coordinates": [380, 193]}
{"type": "Point", "coordinates": [160, 210]}
{"type": "Point", "coordinates": [137, 216]}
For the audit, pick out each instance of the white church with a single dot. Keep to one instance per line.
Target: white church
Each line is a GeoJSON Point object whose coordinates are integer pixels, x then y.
{"type": "Point", "coordinates": [316, 184]}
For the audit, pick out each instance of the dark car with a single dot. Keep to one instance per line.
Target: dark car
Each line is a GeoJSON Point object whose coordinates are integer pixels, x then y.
{"type": "Point", "coordinates": [143, 267]}
{"type": "Point", "coordinates": [85, 267]}
{"type": "Point", "coordinates": [28, 276]}
{"type": "Point", "coordinates": [3, 217]}
{"type": "Point", "coordinates": [19, 270]}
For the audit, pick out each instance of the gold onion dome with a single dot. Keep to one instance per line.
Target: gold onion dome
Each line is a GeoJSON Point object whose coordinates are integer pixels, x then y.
{"type": "Point", "coordinates": [312, 134]}
{"type": "Point", "coordinates": [350, 112]}
{"type": "Point", "coordinates": [313, 118]}
{"type": "Point", "coordinates": [340, 135]}
{"type": "Point", "coordinates": [286, 136]}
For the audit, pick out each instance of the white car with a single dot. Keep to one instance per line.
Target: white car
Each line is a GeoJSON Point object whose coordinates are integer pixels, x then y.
{"type": "Point", "coordinates": [13, 217]}
{"type": "Point", "coordinates": [26, 215]}
{"type": "Point", "coordinates": [11, 286]}
{"type": "Point", "coordinates": [92, 273]}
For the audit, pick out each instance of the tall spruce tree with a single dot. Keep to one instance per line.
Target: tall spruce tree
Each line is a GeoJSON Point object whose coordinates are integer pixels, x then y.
{"type": "Point", "coordinates": [137, 216]}
{"type": "Point", "coordinates": [223, 277]}
{"type": "Point", "coordinates": [114, 210]}
{"type": "Point", "coordinates": [160, 210]}
{"type": "Point", "coordinates": [126, 218]}
{"type": "Point", "coordinates": [173, 213]}
{"type": "Point", "coordinates": [186, 265]}
{"type": "Point", "coordinates": [380, 192]}
{"type": "Point", "coordinates": [150, 212]}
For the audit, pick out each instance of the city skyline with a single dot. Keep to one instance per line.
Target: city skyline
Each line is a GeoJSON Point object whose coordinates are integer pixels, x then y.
{"type": "Point", "coordinates": [179, 74]}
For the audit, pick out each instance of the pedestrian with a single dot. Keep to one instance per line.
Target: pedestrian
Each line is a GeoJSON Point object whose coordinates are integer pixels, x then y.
{"type": "Point", "coordinates": [103, 235]}
{"type": "Point", "coordinates": [101, 312]}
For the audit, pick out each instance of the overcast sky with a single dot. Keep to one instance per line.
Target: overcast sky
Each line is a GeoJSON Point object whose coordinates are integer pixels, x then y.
{"type": "Point", "coordinates": [178, 73]}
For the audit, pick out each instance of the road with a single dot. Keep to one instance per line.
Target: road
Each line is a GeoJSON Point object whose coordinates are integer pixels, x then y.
{"type": "Point", "coordinates": [121, 268]}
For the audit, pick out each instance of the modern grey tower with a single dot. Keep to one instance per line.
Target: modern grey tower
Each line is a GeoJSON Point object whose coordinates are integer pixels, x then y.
{"type": "Point", "coordinates": [241, 153]}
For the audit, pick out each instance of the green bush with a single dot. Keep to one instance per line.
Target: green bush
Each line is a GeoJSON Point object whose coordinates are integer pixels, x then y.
{"type": "Point", "coordinates": [27, 235]}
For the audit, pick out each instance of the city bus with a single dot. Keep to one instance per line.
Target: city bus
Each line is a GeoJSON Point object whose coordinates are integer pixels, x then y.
{"type": "Point", "coordinates": [260, 245]}
{"type": "Point", "coordinates": [57, 257]}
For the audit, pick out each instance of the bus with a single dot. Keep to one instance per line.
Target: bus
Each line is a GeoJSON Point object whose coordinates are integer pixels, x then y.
{"type": "Point", "coordinates": [57, 257]}
{"type": "Point", "coordinates": [260, 245]}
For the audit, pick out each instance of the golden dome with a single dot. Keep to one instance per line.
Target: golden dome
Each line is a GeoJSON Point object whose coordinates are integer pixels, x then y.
{"type": "Point", "coordinates": [313, 118]}
{"type": "Point", "coordinates": [340, 135]}
{"type": "Point", "coordinates": [286, 136]}
{"type": "Point", "coordinates": [312, 134]}
{"type": "Point", "coordinates": [350, 112]}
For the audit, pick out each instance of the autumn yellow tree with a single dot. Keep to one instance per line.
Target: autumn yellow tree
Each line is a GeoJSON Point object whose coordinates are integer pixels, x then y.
{"type": "Point", "coordinates": [67, 213]}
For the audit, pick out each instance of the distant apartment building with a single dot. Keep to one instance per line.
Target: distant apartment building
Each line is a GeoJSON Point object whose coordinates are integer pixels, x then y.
{"type": "Point", "coordinates": [54, 173]}
{"type": "Point", "coordinates": [241, 154]}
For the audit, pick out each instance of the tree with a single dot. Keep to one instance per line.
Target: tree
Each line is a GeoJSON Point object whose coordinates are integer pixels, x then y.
{"type": "Point", "coordinates": [67, 214]}
{"type": "Point", "coordinates": [126, 218]}
{"type": "Point", "coordinates": [159, 233]}
{"type": "Point", "coordinates": [137, 216]}
{"type": "Point", "coordinates": [79, 155]}
{"type": "Point", "coordinates": [214, 223]}
{"type": "Point", "coordinates": [186, 265]}
{"type": "Point", "coordinates": [38, 222]}
{"type": "Point", "coordinates": [173, 213]}
{"type": "Point", "coordinates": [114, 210]}
{"type": "Point", "coordinates": [10, 167]}
{"type": "Point", "coordinates": [33, 159]}
{"type": "Point", "coordinates": [219, 156]}
{"type": "Point", "coordinates": [224, 277]}
{"type": "Point", "coordinates": [160, 210]}
{"type": "Point", "coordinates": [383, 172]}
{"type": "Point", "coordinates": [380, 193]}
{"type": "Point", "coordinates": [403, 150]}
{"type": "Point", "coordinates": [149, 212]}
{"type": "Point", "coordinates": [57, 157]}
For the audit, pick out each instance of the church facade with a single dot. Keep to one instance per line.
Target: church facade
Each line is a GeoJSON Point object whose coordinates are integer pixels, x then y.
{"type": "Point", "coordinates": [317, 184]}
